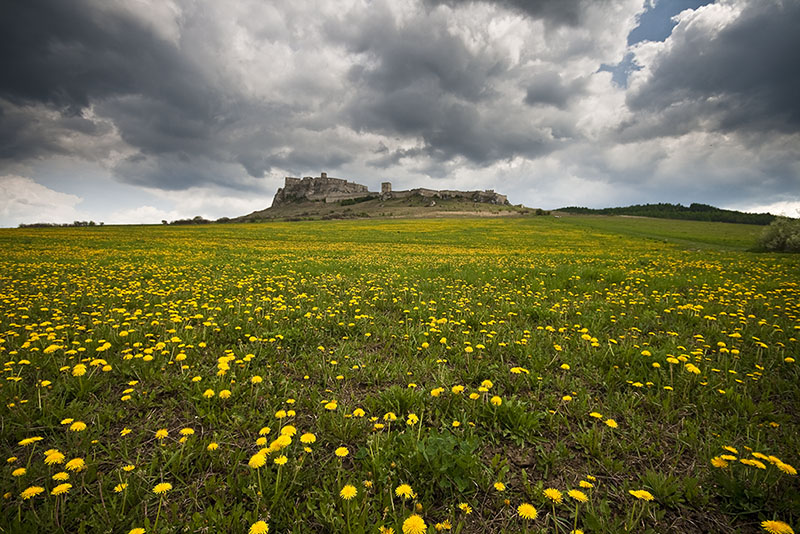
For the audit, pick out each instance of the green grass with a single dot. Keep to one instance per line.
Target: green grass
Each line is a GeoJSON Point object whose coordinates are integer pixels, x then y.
{"type": "Point", "coordinates": [689, 233]}
{"type": "Point", "coordinates": [536, 352]}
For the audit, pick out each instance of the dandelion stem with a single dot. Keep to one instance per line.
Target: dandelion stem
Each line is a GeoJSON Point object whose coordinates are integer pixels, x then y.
{"type": "Point", "coordinates": [555, 523]}
{"type": "Point", "coordinates": [575, 524]}
{"type": "Point", "coordinates": [155, 526]}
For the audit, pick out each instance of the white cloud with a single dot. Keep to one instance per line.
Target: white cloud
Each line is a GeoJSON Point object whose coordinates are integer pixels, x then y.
{"type": "Point", "coordinates": [788, 208]}
{"type": "Point", "coordinates": [22, 200]}
{"type": "Point", "coordinates": [209, 203]}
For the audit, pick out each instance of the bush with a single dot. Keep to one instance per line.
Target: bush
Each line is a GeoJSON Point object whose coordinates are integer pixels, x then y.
{"type": "Point", "coordinates": [782, 235]}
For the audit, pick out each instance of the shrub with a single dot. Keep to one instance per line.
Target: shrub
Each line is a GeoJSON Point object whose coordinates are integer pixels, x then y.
{"type": "Point", "coordinates": [782, 235]}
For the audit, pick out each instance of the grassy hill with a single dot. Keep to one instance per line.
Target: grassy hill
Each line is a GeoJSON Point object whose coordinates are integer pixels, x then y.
{"type": "Point", "coordinates": [412, 207]}
{"type": "Point", "coordinates": [694, 212]}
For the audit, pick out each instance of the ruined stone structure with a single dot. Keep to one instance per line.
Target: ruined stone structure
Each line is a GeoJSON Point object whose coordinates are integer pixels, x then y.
{"type": "Point", "coordinates": [322, 188]}
{"type": "Point", "coordinates": [335, 190]}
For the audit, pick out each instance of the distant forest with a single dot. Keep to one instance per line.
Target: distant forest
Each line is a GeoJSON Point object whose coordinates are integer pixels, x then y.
{"type": "Point", "coordinates": [695, 212]}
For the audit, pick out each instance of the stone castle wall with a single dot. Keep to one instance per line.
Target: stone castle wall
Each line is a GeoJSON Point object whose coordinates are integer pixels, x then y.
{"type": "Point", "coordinates": [329, 190]}
{"type": "Point", "coordinates": [318, 188]}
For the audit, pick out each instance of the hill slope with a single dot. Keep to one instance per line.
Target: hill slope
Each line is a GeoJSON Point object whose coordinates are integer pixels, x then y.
{"type": "Point", "coordinates": [410, 207]}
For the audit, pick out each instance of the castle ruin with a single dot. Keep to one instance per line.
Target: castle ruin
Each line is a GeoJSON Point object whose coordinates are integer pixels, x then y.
{"type": "Point", "coordinates": [328, 190]}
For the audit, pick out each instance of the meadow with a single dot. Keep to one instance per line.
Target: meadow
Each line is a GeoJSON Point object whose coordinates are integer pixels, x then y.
{"type": "Point", "coordinates": [575, 374]}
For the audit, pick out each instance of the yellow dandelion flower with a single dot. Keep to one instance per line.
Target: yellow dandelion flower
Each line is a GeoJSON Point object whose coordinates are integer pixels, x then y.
{"type": "Point", "coordinates": [611, 423]}
{"type": "Point", "coordinates": [585, 484]}
{"type": "Point", "coordinates": [162, 488]}
{"type": "Point", "coordinates": [404, 491]}
{"type": "Point", "coordinates": [18, 472]}
{"type": "Point", "coordinates": [718, 462]}
{"type": "Point", "coordinates": [553, 494]}
{"type": "Point", "coordinates": [527, 511]}
{"type": "Point", "coordinates": [578, 495]}
{"type": "Point", "coordinates": [61, 476]}
{"type": "Point", "coordinates": [348, 492]}
{"type": "Point", "coordinates": [137, 530]}
{"type": "Point", "coordinates": [308, 438]}
{"type": "Point", "coordinates": [264, 431]}
{"type": "Point", "coordinates": [31, 492]}
{"type": "Point", "coordinates": [341, 452]}
{"type": "Point", "coordinates": [464, 507]}
{"type": "Point", "coordinates": [259, 527]}
{"type": "Point", "coordinates": [208, 393]}
{"type": "Point", "coordinates": [414, 524]}
{"type": "Point", "coordinates": [162, 433]}
{"type": "Point", "coordinates": [186, 431]}
{"type": "Point", "coordinates": [29, 441]}
{"type": "Point", "coordinates": [777, 527]}
{"type": "Point", "coordinates": [61, 489]}
{"type": "Point", "coordinates": [77, 426]}
{"type": "Point", "coordinates": [212, 446]}
{"type": "Point", "coordinates": [257, 461]}
{"type": "Point", "coordinates": [499, 486]}
{"type": "Point", "coordinates": [119, 488]}
{"type": "Point", "coordinates": [497, 401]}
{"type": "Point", "coordinates": [76, 464]}
{"type": "Point", "coordinates": [125, 431]}
{"type": "Point", "coordinates": [281, 460]}
{"type": "Point", "coordinates": [641, 494]}
{"type": "Point", "coordinates": [786, 468]}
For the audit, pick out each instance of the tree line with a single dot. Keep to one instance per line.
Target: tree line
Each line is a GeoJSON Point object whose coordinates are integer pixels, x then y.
{"type": "Point", "coordinates": [694, 212]}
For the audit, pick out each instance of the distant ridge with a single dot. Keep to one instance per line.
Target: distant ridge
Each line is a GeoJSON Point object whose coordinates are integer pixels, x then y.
{"type": "Point", "coordinates": [694, 212]}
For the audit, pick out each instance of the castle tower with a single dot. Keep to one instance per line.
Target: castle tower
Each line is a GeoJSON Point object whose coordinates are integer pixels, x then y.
{"type": "Point", "coordinates": [323, 175]}
{"type": "Point", "coordinates": [386, 188]}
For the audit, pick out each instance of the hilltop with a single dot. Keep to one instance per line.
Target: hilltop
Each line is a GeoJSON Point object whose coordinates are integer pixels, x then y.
{"type": "Point", "coordinates": [325, 197]}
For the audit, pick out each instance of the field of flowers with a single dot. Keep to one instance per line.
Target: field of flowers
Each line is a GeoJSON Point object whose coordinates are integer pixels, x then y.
{"type": "Point", "coordinates": [522, 375]}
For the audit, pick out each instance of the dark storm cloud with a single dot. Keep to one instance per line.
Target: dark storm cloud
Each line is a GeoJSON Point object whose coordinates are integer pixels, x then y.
{"type": "Point", "coordinates": [187, 126]}
{"type": "Point", "coordinates": [420, 54]}
{"type": "Point", "coordinates": [70, 56]}
{"type": "Point", "coordinates": [744, 78]}
{"type": "Point", "coordinates": [569, 12]}
{"type": "Point", "coordinates": [69, 53]}
{"type": "Point", "coordinates": [413, 78]}
{"type": "Point", "coordinates": [421, 80]}
{"type": "Point", "coordinates": [549, 89]}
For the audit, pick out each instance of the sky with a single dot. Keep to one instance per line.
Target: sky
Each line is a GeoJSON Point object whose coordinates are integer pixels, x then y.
{"type": "Point", "coordinates": [138, 111]}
